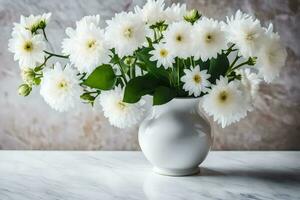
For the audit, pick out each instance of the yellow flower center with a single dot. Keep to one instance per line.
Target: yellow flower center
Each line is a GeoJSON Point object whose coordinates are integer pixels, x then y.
{"type": "Point", "coordinates": [28, 46]}
{"type": "Point", "coordinates": [197, 78]}
{"type": "Point", "coordinates": [122, 105]}
{"type": "Point", "coordinates": [128, 32]}
{"type": "Point", "coordinates": [163, 53]}
{"type": "Point", "coordinates": [250, 36]}
{"type": "Point", "coordinates": [179, 38]}
{"type": "Point", "coordinates": [91, 44]}
{"type": "Point", "coordinates": [223, 96]}
{"type": "Point", "coordinates": [209, 38]}
{"type": "Point", "coordinates": [62, 84]}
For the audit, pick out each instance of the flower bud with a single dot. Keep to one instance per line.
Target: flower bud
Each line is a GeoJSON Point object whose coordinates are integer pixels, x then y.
{"type": "Point", "coordinates": [192, 16]}
{"type": "Point", "coordinates": [37, 81]}
{"type": "Point", "coordinates": [24, 90]}
{"type": "Point", "coordinates": [42, 24]}
{"type": "Point", "coordinates": [129, 61]}
{"type": "Point", "coordinates": [28, 75]}
{"type": "Point", "coordinates": [252, 60]}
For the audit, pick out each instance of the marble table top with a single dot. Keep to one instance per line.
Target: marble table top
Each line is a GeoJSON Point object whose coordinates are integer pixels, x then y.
{"type": "Point", "coordinates": [32, 175]}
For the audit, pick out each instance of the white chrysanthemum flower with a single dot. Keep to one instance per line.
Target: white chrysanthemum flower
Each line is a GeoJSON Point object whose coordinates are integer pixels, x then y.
{"type": "Point", "coordinates": [60, 87]}
{"type": "Point", "coordinates": [179, 40]}
{"type": "Point", "coordinates": [208, 38]}
{"type": "Point", "coordinates": [126, 32]}
{"type": "Point", "coordinates": [86, 44]}
{"type": "Point", "coordinates": [152, 11]}
{"type": "Point", "coordinates": [175, 13]}
{"type": "Point", "coordinates": [271, 56]}
{"type": "Point", "coordinates": [195, 81]}
{"type": "Point", "coordinates": [28, 48]}
{"type": "Point", "coordinates": [162, 55]}
{"type": "Point", "coordinates": [225, 102]}
{"type": "Point", "coordinates": [119, 113]}
{"type": "Point", "coordinates": [250, 82]}
{"type": "Point", "coordinates": [87, 20]}
{"type": "Point", "coordinates": [31, 23]}
{"type": "Point", "coordinates": [244, 31]}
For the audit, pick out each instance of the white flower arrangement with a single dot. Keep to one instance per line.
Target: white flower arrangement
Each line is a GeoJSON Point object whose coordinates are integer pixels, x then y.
{"type": "Point", "coordinates": [158, 51]}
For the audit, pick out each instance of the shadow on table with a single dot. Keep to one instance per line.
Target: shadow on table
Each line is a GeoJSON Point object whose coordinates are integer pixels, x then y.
{"type": "Point", "coordinates": [265, 174]}
{"type": "Point", "coordinates": [221, 184]}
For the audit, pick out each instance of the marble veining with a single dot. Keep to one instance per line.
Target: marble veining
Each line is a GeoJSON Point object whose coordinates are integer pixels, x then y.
{"type": "Point", "coordinates": [42, 175]}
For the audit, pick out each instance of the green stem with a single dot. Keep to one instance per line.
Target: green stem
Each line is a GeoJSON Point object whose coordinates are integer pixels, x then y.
{"type": "Point", "coordinates": [232, 64]}
{"type": "Point", "coordinates": [155, 35]}
{"type": "Point", "coordinates": [122, 72]}
{"type": "Point", "coordinates": [38, 68]}
{"type": "Point", "coordinates": [229, 50]}
{"type": "Point", "coordinates": [184, 64]}
{"type": "Point", "coordinates": [46, 38]}
{"type": "Point", "coordinates": [192, 62]}
{"type": "Point", "coordinates": [240, 65]}
{"type": "Point", "coordinates": [235, 60]}
{"type": "Point", "coordinates": [178, 72]}
{"type": "Point", "coordinates": [56, 55]}
{"type": "Point", "coordinates": [44, 33]}
{"type": "Point", "coordinates": [133, 66]}
{"type": "Point", "coordinates": [131, 71]}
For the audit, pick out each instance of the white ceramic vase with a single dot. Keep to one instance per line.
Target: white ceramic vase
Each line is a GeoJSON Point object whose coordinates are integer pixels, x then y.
{"type": "Point", "coordinates": [176, 137]}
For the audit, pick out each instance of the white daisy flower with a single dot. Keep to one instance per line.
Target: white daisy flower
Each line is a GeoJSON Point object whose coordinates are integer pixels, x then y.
{"type": "Point", "coordinates": [126, 32]}
{"type": "Point", "coordinates": [28, 49]}
{"type": "Point", "coordinates": [119, 113]}
{"type": "Point", "coordinates": [271, 56]}
{"type": "Point", "coordinates": [175, 13]}
{"type": "Point", "coordinates": [225, 102]}
{"type": "Point", "coordinates": [244, 31]}
{"type": "Point", "coordinates": [195, 81]}
{"type": "Point", "coordinates": [162, 55]}
{"type": "Point", "coordinates": [178, 39]}
{"type": "Point", "coordinates": [86, 44]}
{"type": "Point", "coordinates": [152, 11]}
{"type": "Point", "coordinates": [60, 87]}
{"type": "Point", "coordinates": [208, 38]}
{"type": "Point", "coordinates": [31, 23]}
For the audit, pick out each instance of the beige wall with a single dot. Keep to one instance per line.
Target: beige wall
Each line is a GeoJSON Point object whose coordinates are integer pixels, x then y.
{"type": "Point", "coordinates": [28, 123]}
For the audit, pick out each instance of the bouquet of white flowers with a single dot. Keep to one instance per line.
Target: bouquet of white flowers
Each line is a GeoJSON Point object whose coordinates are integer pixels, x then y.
{"type": "Point", "coordinates": [163, 52]}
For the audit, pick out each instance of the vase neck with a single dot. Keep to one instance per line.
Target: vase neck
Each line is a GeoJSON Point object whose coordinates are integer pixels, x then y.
{"type": "Point", "coordinates": [179, 104]}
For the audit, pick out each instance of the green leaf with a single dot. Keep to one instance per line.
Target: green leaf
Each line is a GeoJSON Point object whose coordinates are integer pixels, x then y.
{"type": "Point", "coordinates": [163, 95]}
{"type": "Point", "coordinates": [218, 67]}
{"type": "Point", "coordinates": [138, 87]}
{"type": "Point", "coordinates": [103, 78]}
{"type": "Point", "coordinates": [203, 65]}
{"type": "Point", "coordinates": [142, 66]}
{"type": "Point", "coordinates": [144, 56]}
{"type": "Point", "coordinates": [87, 97]}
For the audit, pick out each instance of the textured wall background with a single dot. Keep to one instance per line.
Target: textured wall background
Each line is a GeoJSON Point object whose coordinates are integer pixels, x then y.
{"type": "Point", "coordinates": [28, 123]}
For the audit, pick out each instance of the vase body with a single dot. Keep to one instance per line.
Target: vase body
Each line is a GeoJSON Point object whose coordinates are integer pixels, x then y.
{"type": "Point", "coordinates": [176, 137]}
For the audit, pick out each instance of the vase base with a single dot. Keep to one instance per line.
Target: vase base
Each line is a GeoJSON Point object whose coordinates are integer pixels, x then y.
{"type": "Point", "coordinates": [177, 172]}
